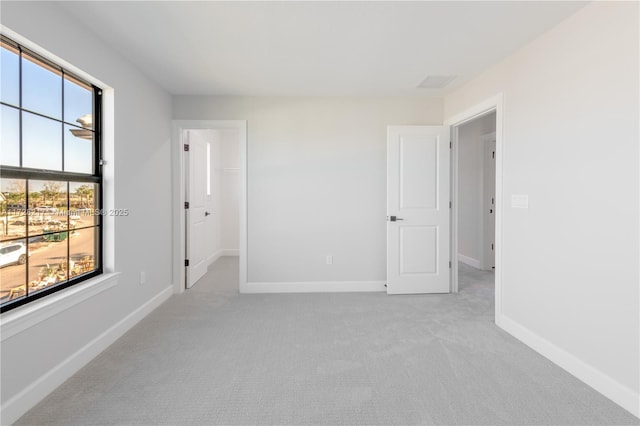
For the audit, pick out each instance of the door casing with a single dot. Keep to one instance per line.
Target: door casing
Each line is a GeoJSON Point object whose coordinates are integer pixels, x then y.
{"type": "Point", "coordinates": [493, 104]}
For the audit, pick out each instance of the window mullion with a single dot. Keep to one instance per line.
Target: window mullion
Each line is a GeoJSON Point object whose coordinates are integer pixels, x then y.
{"type": "Point", "coordinates": [20, 104]}
{"type": "Point", "coordinates": [62, 115]}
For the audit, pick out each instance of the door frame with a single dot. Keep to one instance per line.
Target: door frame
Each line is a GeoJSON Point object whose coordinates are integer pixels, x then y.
{"type": "Point", "coordinates": [178, 194]}
{"type": "Point", "coordinates": [493, 104]}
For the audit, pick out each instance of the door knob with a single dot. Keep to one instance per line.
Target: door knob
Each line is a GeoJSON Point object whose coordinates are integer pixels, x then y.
{"type": "Point", "coordinates": [393, 218]}
{"type": "Point", "coordinates": [207, 213]}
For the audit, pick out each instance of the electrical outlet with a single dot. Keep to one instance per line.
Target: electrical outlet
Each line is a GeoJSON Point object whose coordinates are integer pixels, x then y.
{"type": "Point", "coordinates": [143, 277]}
{"type": "Point", "coordinates": [329, 259]}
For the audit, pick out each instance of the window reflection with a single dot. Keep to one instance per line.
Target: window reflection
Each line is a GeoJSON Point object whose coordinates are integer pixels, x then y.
{"type": "Point", "coordinates": [47, 207]}
{"type": "Point", "coordinates": [41, 88]}
{"type": "Point", "coordinates": [62, 229]}
{"type": "Point", "coordinates": [48, 261]}
{"type": "Point", "coordinates": [9, 75]}
{"type": "Point", "coordinates": [82, 251]}
{"type": "Point", "coordinates": [13, 266]}
{"type": "Point", "coordinates": [41, 142]}
{"type": "Point", "coordinates": [78, 150]}
{"type": "Point", "coordinates": [14, 209]}
{"type": "Point", "coordinates": [82, 202]}
{"type": "Point", "coordinates": [10, 136]}
{"type": "Point", "coordinates": [78, 103]}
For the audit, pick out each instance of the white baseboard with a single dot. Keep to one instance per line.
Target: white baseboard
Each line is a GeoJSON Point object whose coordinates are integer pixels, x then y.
{"type": "Point", "coordinates": [22, 402]}
{"type": "Point", "coordinates": [313, 287]}
{"type": "Point", "coordinates": [470, 261]}
{"type": "Point", "coordinates": [215, 256]}
{"type": "Point", "coordinates": [622, 395]}
{"type": "Point", "coordinates": [222, 252]}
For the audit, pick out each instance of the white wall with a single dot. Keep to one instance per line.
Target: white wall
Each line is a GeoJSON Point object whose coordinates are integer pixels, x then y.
{"type": "Point", "coordinates": [317, 180]}
{"type": "Point", "coordinates": [570, 262]}
{"type": "Point", "coordinates": [37, 359]}
{"type": "Point", "coordinates": [470, 188]}
{"type": "Point", "coordinates": [230, 190]}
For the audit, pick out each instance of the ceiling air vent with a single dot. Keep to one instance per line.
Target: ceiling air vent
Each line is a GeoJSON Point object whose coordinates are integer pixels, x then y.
{"type": "Point", "coordinates": [436, 81]}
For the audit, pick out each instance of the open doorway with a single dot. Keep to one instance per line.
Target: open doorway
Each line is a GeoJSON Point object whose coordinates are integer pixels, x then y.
{"type": "Point", "coordinates": [487, 132]}
{"type": "Point", "coordinates": [476, 199]}
{"type": "Point", "coordinates": [212, 188]}
{"type": "Point", "coordinates": [210, 212]}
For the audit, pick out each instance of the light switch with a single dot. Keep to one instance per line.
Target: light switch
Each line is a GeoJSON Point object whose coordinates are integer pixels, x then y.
{"type": "Point", "coordinates": [519, 201]}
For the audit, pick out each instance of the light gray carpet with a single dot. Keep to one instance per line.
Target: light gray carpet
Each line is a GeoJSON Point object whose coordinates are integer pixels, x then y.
{"type": "Point", "coordinates": [212, 356]}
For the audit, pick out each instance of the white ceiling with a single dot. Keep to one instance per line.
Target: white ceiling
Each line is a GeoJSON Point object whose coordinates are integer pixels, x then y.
{"type": "Point", "coordinates": [321, 48]}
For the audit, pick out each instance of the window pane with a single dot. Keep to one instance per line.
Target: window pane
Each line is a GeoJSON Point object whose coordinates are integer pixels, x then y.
{"type": "Point", "coordinates": [14, 209]}
{"type": "Point", "coordinates": [13, 258]}
{"type": "Point", "coordinates": [10, 71]}
{"type": "Point", "coordinates": [78, 103]}
{"type": "Point", "coordinates": [41, 142]}
{"type": "Point", "coordinates": [47, 208]}
{"type": "Point", "coordinates": [10, 134]}
{"type": "Point", "coordinates": [78, 150]}
{"type": "Point", "coordinates": [47, 261]}
{"type": "Point", "coordinates": [41, 88]}
{"type": "Point", "coordinates": [82, 204]}
{"type": "Point", "coordinates": [82, 251]}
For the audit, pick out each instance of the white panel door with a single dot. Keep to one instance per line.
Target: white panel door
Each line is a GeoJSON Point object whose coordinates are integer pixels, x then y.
{"type": "Point", "coordinates": [418, 211]}
{"type": "Point", "coordinates": [197, 214]}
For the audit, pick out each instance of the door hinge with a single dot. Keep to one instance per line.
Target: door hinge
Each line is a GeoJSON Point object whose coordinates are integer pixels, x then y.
{"type": "Point", "coordinates": [449, 264]}
{"type": "Point", "coordinates": [186, 262]}
{"type": "Point", "coordinates": [491, 247]}
{"type": "Point", "coordinates": [186, 147]}
{"type": "Point", "coordinates": [493, 155]}
{"type": "Point", "coordinates": [450, 145]}
{"type": "Point", "coordinates": [450, 204]}
{"type": "Point", "coordinates": [186, 204]}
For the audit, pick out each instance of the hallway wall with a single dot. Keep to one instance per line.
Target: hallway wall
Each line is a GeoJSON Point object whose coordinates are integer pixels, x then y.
{"type": "Point", "coordinates": [571, 260]}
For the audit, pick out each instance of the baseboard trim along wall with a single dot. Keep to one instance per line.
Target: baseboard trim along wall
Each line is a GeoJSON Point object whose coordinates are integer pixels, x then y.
{"type": "Point", "coordinates": [15, 407]}
{"type": "Point", "coordinates": [470, 261]}
{"type": "Point", "coordinates": [313, 287]}
{"type": "Point", "coordinates": [223, 252]}
{"type": "Point", "coordinates": [612, 389]}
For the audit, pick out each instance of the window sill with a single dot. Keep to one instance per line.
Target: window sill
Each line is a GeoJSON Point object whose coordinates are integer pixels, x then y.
{"type": "Point", "coordinates": [31, 314]}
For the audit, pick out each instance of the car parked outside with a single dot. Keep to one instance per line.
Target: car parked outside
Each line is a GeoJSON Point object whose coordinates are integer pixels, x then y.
{"type": "Point", "coordinates": [11, 253]}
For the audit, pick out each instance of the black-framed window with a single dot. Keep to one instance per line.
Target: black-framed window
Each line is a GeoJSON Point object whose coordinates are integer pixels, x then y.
{"type": "Point", "coordinates": [50, 177]}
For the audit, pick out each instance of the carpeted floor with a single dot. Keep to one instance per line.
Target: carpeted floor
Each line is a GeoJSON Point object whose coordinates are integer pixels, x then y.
{"type": "Point", "coordinates": [212, 356]}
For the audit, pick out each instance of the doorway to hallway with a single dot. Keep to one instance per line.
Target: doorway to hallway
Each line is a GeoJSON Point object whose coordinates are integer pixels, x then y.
{"type": "Point", "coordinates": [212, 195]}
{"type": "Point", "coordinates": [476, 189]}
{"type": "Point", "coordinates": [210, 217]}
